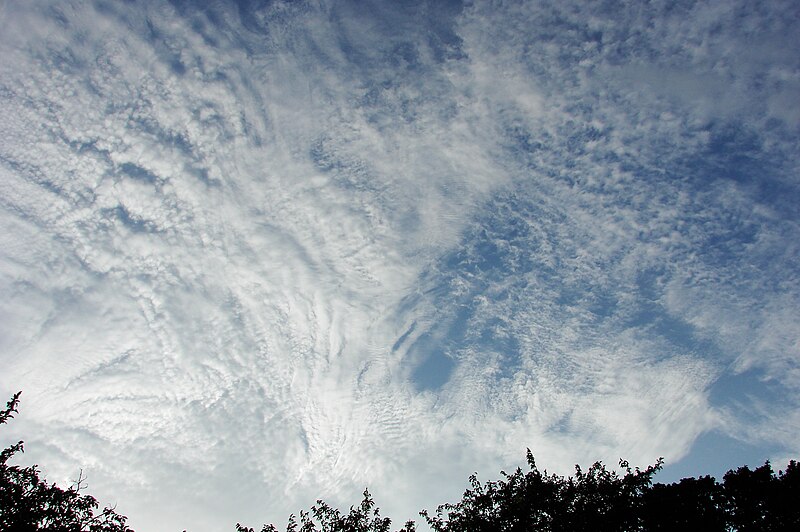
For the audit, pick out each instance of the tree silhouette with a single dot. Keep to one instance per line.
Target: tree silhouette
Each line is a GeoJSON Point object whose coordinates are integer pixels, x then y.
{"type": "Point", "coordinates": [691, 503]}
{"type": "Point", "coordinates": [362, 518]}
{"type": "Point", "coordinates": [28, 502]}
{"type": "Point", "coordinates": [597, 499]}
{"type": "Point", "coordinates": [761, 500]}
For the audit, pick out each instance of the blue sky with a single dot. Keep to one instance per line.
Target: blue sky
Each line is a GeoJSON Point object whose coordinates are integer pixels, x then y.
{"type": "Point", "coordinates": [259, 253]}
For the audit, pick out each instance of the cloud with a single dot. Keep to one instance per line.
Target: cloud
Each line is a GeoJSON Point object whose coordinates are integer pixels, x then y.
{"type": "Point", "coordinates": [258, 254]}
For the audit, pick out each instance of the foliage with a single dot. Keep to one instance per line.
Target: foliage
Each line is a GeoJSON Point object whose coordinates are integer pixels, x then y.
{"type": "Point", "coordinates": [28, 502]}
{"type": "Point", "coordinates": [362, 518]}
{"type": "Point", "coordinates": [596, 499]}
{"type": "Point", "coordinates": [602, 500]}
{"type": "Point", "coordinates": [692, 503]}
{"type": "Point", "coordinates": [761, 500]}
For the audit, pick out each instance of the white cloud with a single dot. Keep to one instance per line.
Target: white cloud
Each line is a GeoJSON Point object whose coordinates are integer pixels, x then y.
{"type": "Point", "coordinates": [232, 238]}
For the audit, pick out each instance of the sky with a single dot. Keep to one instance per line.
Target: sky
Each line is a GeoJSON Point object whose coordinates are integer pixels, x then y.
{"type": "Point", "coordinates": [257, 253]}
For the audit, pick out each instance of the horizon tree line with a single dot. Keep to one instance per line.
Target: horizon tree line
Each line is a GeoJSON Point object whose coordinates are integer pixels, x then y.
{"type": "Point", "coordinates": [597, 499]}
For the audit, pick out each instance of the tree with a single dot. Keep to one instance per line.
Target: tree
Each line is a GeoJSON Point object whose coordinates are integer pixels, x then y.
{"type": "Point", "coordinates": [760, 500]}
{"type": "Point", "coordinates": [362, 518]}
{"type": "Point", "coordinates": [28, 502]}
{"type": "Point", "coordinates": [691, 503]}
{"type": "Point", "coordinates": [593, 500]}
{"type": "Point", "coordinates": [597, 499]}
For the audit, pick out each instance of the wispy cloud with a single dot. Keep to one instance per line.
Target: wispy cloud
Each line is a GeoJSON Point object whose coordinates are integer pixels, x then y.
{"type": "Point", "coordinates": [258, 254]}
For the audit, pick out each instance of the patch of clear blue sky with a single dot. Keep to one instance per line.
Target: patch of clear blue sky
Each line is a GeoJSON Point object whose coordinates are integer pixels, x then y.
{"type": "Point", "coordinates": [714, 454]}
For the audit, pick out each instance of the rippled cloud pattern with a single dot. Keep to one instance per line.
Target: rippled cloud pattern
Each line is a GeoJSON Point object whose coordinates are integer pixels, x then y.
{"type": "Point", "coordinates": [259, 252]}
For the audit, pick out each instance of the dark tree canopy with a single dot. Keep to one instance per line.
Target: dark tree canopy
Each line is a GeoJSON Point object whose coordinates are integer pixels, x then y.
{"type": "Point", "coordinates": [28, 502]}
{"type": "Point", "coordinates": [593, 500]}
{"type": "Point", "coordinates": [692, 502]}
{"type": "Point", "coordinates": [761, 500]}
{"type": "Point", "coordinates": [323, 518]}
{"type": "Point", "coordinates": [596, 499]}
